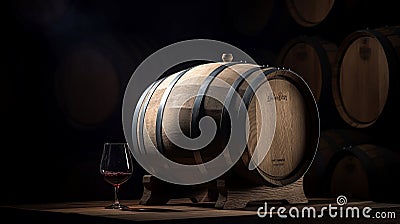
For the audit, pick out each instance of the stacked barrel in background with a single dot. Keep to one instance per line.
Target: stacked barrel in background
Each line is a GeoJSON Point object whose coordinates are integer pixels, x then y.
{"type": "Point", "coordinates": [355, 82]}
{"type": "Point", "coordinates": [365, 92]}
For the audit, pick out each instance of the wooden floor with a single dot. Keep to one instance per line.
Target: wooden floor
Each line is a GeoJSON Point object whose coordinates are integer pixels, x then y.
{"type": "Point", "coordinates": [177, 212]}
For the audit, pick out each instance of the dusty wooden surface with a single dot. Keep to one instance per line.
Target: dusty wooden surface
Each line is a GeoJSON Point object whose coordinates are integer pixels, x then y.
{"type": "Point", "coordinates": [177, 211]}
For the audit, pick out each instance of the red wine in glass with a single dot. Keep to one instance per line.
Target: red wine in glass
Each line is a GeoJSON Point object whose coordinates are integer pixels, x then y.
{"type": "Point", "coordinates": [116, 178]}
{"type": "Point", "coordinates": [116, 167]}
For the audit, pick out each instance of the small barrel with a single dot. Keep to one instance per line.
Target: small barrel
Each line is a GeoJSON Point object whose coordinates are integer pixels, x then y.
{"type": "Point", "coordinates": [364, 85]}
{"type": "Point", "coordinates": [310, 12]}
{"type": "Point", "coordinates": [367, 172]}
{"type": "Point", "coordinates": [297, 126]}
{"type": "Point", "coordinates": [330, 142]}
{"type": "Point", "coordinates": [314, 59]}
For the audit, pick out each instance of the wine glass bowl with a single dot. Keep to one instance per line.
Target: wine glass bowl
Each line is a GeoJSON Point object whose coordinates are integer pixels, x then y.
{"type": "Point", "coordinates": [116, 167]}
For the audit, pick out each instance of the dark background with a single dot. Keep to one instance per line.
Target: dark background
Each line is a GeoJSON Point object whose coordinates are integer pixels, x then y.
{"type": "Point", "coordinates": [46, 154]}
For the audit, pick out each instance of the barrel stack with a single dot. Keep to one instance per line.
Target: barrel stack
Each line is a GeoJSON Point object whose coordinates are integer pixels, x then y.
{"type": "Point", "coordinates": [365, 93]}
{"type": "Point", "coordinates": [354, 82]}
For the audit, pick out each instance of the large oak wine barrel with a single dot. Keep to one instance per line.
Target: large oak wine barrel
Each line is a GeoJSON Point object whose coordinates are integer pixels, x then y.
{"type": "Point", "coordinates": [297, 126]}
{"type": "Point", "coordinates": [367, 172]}
{"type": "Point", "coordinates": [314, 59]}
{"type": "Point", "coordinates": [330, 142]}
{"type": "Point", "coordinates": [309, 12]}
{"type": "Point", "coordinates": [364, 87]}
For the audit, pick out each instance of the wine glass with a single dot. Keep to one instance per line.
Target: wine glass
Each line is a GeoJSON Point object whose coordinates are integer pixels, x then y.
{"type": "Point", "coordinates": [116, 167]}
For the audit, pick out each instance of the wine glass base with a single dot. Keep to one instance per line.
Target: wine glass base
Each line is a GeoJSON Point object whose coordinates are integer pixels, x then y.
{"type": "Point", "coordinates": [116, 206]}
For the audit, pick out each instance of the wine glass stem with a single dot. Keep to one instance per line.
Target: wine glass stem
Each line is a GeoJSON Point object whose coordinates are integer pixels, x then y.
{"type": "Point", "coordinates": [116, 188]}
